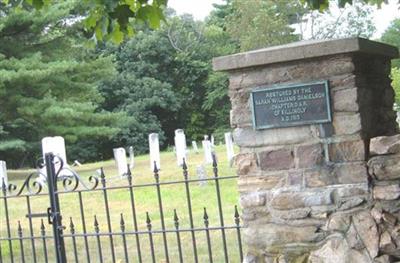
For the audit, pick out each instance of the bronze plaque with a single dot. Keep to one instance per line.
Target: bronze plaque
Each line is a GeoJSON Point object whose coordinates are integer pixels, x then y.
{"type": "Point", "coordinates": [291, 105]}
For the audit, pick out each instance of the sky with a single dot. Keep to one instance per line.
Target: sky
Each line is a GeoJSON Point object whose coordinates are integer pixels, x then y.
{"type": "Point", "coordinates": [201, 8]}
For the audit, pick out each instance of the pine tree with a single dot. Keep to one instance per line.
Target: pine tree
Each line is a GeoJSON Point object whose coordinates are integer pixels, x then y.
{"type": "Point", "coordinates": [48, 82]}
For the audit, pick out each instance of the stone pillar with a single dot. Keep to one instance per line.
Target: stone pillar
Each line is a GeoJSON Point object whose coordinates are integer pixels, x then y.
{"type": "Point", "coordinates": [305, 190]}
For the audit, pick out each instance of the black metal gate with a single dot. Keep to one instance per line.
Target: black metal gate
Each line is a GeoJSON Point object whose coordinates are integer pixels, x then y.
{"type": "Point", "coordinates": [182, 238]}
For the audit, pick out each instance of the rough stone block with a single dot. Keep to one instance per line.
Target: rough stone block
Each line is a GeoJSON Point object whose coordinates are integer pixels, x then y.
{"type": "Point", "coordinates": [347, 151]}
{"type": "Point", "coordinates": [350, 203]}
{"type": "Point", "coordinates": [291, 214]}
{"type": "Point", "coordinates": [352, 190]}
{"type": "Point", "coordinates": [345, 81]}
{"type": "Point", "coordinates": [337, 250]}
{"type": "Point", "coordinates": [338, 222]}
{"type": "Point", "coordinates": [240, 118]}
{"type": "Point", "coordinates": [294, 178]}
{"type": "Point", "coordinates": [376, 213]}
{"type": "Point", "coordinates": [293, 200]}
{"type": "Point", "coordinates": [274, 234]}
{"type": "Point", "coordinates": [353, 238]}
{"type": "Point", "coordinates": [385, 167]}
{"type": "Point", "coordinates": [309, 155]}
{"type": "Point", "coordinates": [389, 218]}
{"type": "Point", "coordinates": [245, 163]}
{"type": "Point", "coordinates": [386, 242]}
{"type": "Point", "coordinates": [261, 182]}
{"type": "Point", "coordinates": [282, 159]}
{"type": "Point", "coordinates": [382, 259]}
{"type": "Point", "coordinates": [346, 173]}
{"type": "Point", "coordinates": [346, 100]}
{"type": "Point", "coordinates": [385, 145]}
{"type": "Point", "coordinates": [252, 200]}
{"type": "Point", "coordinates": [319, 177]}
{"type": "Point", "coordinates": [351, 173]}
{"type": "Point", "coordinates": [240, 114]}
{"type": "Point", "coordinates": [386, 192]}
{"type": "Point", "coordinates": [368, 231]}
{"type": "Point", "coordinates": [347, 123]}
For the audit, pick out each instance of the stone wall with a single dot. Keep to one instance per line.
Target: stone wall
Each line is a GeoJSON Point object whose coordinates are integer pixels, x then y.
{"type": "Point", "coordinates": [384, 171]}
{"type": "Point", "coordinates": [314, 193]}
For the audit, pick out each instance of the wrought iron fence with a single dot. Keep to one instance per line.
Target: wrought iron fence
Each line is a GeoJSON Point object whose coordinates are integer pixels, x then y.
{"type": "Point", "coordinates": [134, 241]}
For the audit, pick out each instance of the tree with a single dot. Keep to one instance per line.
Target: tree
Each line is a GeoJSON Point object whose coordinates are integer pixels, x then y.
{"type": "Point", "coordinates": [322, 5]}
{"type": "Point", "coordinates": [263, 23]}
{"type": "Point", "coordinates": [165, 81]}
{"type": "Point", "coordinates": [337, 22]}
{"type": "Point", "coordinates": [219, 14]}
{"type": "Point", "coordinates": [141, 89]}
{"type": "Point", "coordinates": [396, 86]}
{"type": "Point", "coordinates": [392, 36]}
{"type": "Point", "coordinates": [48, 83]}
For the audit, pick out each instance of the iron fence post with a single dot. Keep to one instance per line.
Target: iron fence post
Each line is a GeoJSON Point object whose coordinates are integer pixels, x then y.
{"type": "Point", "coordinates": [55, 208]}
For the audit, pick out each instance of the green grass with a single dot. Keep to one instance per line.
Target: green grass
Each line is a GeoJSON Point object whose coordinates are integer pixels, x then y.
{"type": "Point", "coordinates": [173, 197]}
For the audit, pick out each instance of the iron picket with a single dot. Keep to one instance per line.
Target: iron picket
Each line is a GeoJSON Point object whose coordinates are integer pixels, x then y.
{"type": "Point", "coordinates": [28, 204]}
{"type": "Point", "coordinates": [43, 236]}
{"type": "Point", "coordinates": [189, 204]}
{"type": "Point", "coordinates": [178, 236]}
{"type": "Point", "coordinates": [97, 231]}
{"type": "Point", "coordinates": [21, 242]}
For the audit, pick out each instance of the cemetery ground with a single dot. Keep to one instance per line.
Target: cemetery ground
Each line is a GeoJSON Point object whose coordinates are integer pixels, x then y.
{"type": "Point", "coordinates": [173, 197]}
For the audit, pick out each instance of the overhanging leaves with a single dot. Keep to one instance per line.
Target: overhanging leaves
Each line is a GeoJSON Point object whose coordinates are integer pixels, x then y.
{"type": "Point", "coordinates": [101, 17]}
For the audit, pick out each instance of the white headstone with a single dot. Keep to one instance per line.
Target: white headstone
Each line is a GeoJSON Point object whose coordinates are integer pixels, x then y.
{"type": "Point", "coordinates": [180, 145]}
{"type": "Point", "coordinates": [194, 146]}
{"type": "Point", "coordinates": [201, 174]}
{"type": "Point", "coordinates": [154, 146]}
{"type": "Point", "coordinates": [3, 174]}
{"type": "Point", "coordinates": [207, 148]}
{"type": "Point", "coordinates": [76, 163]}
{"type": "Point", "coordinates": [229, 146]}
{"type": "Point", "coordinates": [55, 145]}
{"type": "Point", "coordinates": [120, 161]}
{"type": "Point", "coordinates": [131, 158]}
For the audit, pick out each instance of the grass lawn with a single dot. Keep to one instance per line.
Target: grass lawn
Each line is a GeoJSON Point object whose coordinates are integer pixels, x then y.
{"type": "Point", "coordinates": [173, 197]}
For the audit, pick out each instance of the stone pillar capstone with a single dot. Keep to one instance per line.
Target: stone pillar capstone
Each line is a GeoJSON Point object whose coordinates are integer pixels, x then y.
{"type": "Point", "coordinates": [305, 190]}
